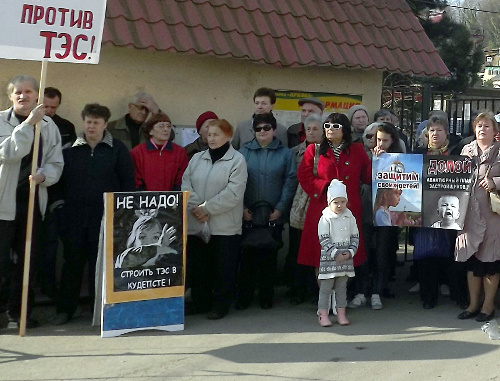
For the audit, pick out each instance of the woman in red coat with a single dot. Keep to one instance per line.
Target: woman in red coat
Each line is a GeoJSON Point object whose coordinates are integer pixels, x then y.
{"type": "Point", "coordinates": [159, 163]}
{"type": "Point", "coordinates": [339, 159]}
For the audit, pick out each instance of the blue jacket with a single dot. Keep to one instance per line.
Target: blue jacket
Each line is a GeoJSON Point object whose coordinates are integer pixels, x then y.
{"type": "Point", "coordinates": [272, 175]}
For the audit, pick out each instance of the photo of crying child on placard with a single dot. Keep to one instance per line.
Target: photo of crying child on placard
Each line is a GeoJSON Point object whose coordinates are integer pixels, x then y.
{"type": "Point", "coordinates": [443, 210]}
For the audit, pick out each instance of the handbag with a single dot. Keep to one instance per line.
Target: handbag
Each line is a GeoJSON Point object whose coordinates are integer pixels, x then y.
{"type": "Point", "coordinates": [495, 202]}
{"type": "Point", "coordinates": [301, 199]}
{"type": "Point", "coordinates": [494, 196]}
{"type": "Point", "coordinates": [204, 232]}
{"type": "Point", "coordinates": [258, 233]}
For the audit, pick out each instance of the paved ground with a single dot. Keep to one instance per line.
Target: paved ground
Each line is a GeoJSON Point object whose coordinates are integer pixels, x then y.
{"type": "Point", "coordinates": [400, 342]}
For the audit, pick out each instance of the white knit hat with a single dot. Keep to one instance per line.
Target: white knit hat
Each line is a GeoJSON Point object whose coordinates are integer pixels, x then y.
{"type": "Point", "coordinates": [336, 189]}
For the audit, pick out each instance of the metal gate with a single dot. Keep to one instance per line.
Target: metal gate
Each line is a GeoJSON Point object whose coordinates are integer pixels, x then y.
{"type": "Point", "coordinates": [407, 103]}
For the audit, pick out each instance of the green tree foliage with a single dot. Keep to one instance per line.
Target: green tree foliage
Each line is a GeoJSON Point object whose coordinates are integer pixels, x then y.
{"type": "Point", "coordinates": [483, 18]}
{"type": "Point", "coordinates": [454, 44]}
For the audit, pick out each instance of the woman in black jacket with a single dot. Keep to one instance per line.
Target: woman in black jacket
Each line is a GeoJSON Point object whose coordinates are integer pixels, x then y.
{"type": "Point", "coordinates": [94, 164]}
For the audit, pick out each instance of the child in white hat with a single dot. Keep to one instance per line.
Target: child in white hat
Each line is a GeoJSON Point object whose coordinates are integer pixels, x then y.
{"type": "Point", "coordinates": [339, 239]}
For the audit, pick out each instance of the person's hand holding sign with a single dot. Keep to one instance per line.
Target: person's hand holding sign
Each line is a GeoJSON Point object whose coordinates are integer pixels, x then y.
{"type": "Point", "coordinates": [38, 178]}
{"type": "Point", "coordinates": [36, 115]}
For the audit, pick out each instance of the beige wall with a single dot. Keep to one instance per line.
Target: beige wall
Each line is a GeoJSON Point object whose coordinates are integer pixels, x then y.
{"type": "Point", "coordinates": [184, 85]}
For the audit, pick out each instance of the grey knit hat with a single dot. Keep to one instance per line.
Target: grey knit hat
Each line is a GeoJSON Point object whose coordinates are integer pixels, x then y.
{"type": "Point", "coordinates": [355, 108]}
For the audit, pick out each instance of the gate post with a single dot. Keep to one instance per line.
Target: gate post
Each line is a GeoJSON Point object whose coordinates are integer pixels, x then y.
{"type": "Point", "coordinates": [426, 100]}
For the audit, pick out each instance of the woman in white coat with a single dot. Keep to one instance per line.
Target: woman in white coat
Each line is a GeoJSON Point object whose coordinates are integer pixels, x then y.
{"type": "Point", "coordinates": [216, 179]}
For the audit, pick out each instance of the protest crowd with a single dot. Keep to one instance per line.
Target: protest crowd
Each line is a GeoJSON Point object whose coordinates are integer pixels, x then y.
{"type": "Point", "coordinates": [246, 184]}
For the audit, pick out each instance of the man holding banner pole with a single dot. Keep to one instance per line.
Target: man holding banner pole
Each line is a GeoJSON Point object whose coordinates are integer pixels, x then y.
{"type": "Point", "coordinates": [17, 151]}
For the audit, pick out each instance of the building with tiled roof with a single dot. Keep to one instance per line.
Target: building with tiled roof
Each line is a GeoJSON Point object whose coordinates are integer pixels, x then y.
{"type": "Point", "coordinates": [353, 34]}
{"type": "Point", "coordinates": [195, 55]}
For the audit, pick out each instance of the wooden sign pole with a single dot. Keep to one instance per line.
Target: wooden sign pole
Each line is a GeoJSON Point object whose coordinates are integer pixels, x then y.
{"type": "Point", "coordinates": [31, 209]}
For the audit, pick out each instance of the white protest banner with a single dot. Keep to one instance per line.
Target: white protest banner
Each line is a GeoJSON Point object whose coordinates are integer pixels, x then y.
{"type": "Point", "coordinates": [52, 30]}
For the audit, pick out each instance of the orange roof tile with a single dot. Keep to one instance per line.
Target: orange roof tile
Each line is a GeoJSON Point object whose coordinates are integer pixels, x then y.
{"type": "Point", "coordinates": [354, 34]}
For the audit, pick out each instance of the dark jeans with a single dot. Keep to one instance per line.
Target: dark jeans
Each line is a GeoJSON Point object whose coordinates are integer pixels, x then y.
{"type": "Point", "coordinates": [7, 230]}
{"type": "Point", "coordinates": [302, 278]}
{"type": "Point", "coordinates": [387, 241]}
{"type": "Point", "coordinates": [432, 272]}
{"type": "Point", "coordinates": [46, 262]}
{"type": "Point", "coordinates": [458, 283]}
{"type": "Point", "coordinates": [290, 266]}
{"type": "Point", "coordinates": [360, 284]}
{"type": "Point", "coordinates": [362, 278]}
{"type": "Point", "coordinates": [78, 252]}
{"type": "Point", "coordinates": [213, 269]}
{"type": "Point", "coordinates": [13, 237]}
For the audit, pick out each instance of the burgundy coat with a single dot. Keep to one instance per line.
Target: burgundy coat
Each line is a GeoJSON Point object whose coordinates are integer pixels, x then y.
{"type": "Point", "coordinates": [353, 168]}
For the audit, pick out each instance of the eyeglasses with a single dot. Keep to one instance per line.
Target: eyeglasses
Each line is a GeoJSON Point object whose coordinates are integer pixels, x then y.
{"type": "Point", "coordinates": [161, 125]}
{"type": "Point", "coordinates": [369, 136]}
{"type": "Point", "coordinates": [265, 127]}
{"type": "Point", "coordinates": [335, 126]}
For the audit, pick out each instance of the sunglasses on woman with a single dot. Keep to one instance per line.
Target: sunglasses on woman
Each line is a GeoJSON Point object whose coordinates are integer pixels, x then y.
{"type": "Point", "coordinates": [265, 127]}
{"type": "Point", "coordinates": [369, 136]}
{"type": "Point", "coordinates": [335, 126]}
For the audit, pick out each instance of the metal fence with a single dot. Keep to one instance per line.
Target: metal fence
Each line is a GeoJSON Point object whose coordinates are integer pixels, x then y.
{"type": "Point", "coordinates": [463, 109]}
{"type": "Point", "coordinates": [412, 105]}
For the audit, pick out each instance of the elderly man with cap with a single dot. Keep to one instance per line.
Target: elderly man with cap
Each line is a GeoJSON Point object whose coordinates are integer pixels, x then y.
{"type": "Point", "coordinates": [129, 128]}
{"type": "Point", "coordinates": [296, 132]}
{"type": "Point", "coordinates": [359, 118]}
{"type": "Point", "coordinates": [201, 144]}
